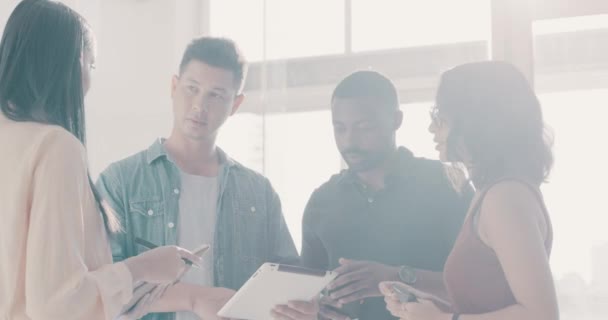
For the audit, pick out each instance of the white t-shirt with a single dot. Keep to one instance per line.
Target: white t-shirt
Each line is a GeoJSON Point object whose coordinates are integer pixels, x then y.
{"type": "Point", "coordinates": [196, 226]}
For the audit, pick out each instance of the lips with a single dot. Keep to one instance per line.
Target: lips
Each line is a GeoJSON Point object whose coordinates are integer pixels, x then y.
{"type": "Point", "coordinates": [353, 156]}
{"type": "Point", "coordinates": [197, 122]}
{"type": "Point", "coordinates": [438, 144]}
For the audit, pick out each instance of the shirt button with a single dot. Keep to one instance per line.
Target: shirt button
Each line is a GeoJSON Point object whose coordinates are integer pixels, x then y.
{"type": "Point", "coordinates": [150, 212]}
{"type": "Point", "coordinates": [170, 225]}
{"type": "Point", "coordinates": [176, 191]}
{"type": "Point", "coordinates": [252, 209]}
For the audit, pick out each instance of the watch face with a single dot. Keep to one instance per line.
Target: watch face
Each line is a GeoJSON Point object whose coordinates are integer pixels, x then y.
{"type": "Point", "coordinates": [407, 275]}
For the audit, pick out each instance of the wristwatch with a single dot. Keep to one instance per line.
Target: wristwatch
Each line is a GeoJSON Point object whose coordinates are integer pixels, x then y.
{"type": "Point", "coordinates": [407, 275]}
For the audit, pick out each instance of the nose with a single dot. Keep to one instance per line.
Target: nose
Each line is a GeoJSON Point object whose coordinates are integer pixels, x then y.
{"type": "Point", "coordinates": [351, 139]}
{"type": "Point", "coordinates": [346, 139]}
{"type": "Point", "coordinates": [199, 106]}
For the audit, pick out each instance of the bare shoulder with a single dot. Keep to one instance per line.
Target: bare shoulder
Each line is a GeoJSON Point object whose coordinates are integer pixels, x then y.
{"type": "Point", "coordinates": [511, 192]}
{"type": "Point", "coordinates": [511, 205]}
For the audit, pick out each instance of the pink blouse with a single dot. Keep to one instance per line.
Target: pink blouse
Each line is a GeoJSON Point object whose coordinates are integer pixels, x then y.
{"type": "Point", "coordinates": [55, 260]}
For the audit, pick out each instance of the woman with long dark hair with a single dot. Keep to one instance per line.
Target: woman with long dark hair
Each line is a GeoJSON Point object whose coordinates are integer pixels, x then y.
{"type": "Point", "coordinates": [488, 118]}
{"type": "Point", "coordinates": [56, 261]}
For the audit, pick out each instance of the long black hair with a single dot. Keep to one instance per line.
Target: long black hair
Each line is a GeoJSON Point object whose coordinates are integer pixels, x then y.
{"type": "Point", "coordinates": [40, 70]}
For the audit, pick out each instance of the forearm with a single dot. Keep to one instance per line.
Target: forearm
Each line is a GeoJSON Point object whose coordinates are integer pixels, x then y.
{"type": "Point", "coordinates": [179, 297]}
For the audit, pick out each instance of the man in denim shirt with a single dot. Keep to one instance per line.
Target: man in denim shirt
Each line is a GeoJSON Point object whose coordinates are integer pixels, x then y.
{"type": "Point", "coordinates": [185, 191]}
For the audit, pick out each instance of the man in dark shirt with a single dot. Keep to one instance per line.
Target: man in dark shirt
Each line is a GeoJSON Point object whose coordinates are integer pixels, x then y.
{"type": "Point", "coordinates": [388, 215]}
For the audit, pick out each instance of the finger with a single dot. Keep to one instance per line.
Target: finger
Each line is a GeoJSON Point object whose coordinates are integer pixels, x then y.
{"type": "Point", "coordinates": [386, 288]}
{"type": "Point", "coordinates": [304, 307]}
{"type": "Point", "coordinates": [332, 314]}
{"type": "Point", "coordinates": [391, 300]}
{"type": "Point", "coordinates": [347, 279]}
{"type": "Point", "coordinates": [138, 294]}
{"type": "Point", "coordinates": [408, 307]}
{"type": "Point", "coordinates": [138, 310]}
{"type": "Point", "coordinates": [189, 256]}
{"type": "Point", "coordinates": [347, 266]}
{"type": "Point", "coordinates": [396, 309]}
{"type": "Point", "coordinates": [158, 292]}
{"type": "Point", "coordinates": [407, 288]}
{"type": "Point", "coordinates": [138, 285]}
{"type": "Point", "coordinates": [344, 261]}
{"type": "Point", "coordinates": [155, 293]}
{"type": "Point", "coordinates": [278, 316]}
{"type": "Point", "coordinates": [393, 303]}
{"type": "Point", "coordinates": [360, 295]}
{"type": "Point", "coordinates": [165, 289]}
{"type": "Point", "coordinates": [182, 267]}
{"type": "Point", "coordinates": [357, 284]}
{"type": "Point", "coordinates": [183, 272]}
{"type": "Point", "coordinates": [285, 312]}
{"type": "Point", "coordinates": [330, 302]}
{"type": "Point", "coordinates": [291, 313]}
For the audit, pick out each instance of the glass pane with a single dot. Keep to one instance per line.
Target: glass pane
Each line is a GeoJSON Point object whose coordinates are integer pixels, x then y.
{"type": "Point", "coordinates": [571, 24]}
{"type": "Point", "coordinates": [414, 133]}
{"type": "Point", "coordinates": [570, 62]}
{"type": "Point", "coordinates": [575, 197]}
{"type": "Point", "coordinates": [292, 28]}
{"type": "Point", "coordinates": [300, 156]}
{"type": "Point", "coordinates": [241, 137]}
{"type": "Point", "coordinates": [385, 24]}
{"type": "Point", "coordinates": [242, 21]}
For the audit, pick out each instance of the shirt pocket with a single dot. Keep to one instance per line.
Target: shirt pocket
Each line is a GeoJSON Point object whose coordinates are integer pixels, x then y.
{"type": "Point", "coordinates": [148, 221]}
{"type": "Point", "coordinates": [251, 225]}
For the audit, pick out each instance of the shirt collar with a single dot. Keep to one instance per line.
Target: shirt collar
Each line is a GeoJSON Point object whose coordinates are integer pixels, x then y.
{"type": "Point", "coordinates": [157, 150]}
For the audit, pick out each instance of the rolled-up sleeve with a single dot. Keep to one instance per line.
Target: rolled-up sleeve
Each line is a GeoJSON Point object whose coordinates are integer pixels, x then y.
{"type": "Point", "coordinates": [58, 282]}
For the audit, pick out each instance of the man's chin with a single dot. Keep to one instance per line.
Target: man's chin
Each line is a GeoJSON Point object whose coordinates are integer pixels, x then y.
{"type": "Point", "coordinates": [359, 166]}
{"type": "Point", "coordinates": [197, 135]}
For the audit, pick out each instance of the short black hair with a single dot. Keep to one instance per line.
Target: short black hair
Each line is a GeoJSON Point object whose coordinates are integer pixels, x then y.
{"type": "Point", "coordinates": [366, 84]}
{"type": "Point", "coordinates": [217, 52]}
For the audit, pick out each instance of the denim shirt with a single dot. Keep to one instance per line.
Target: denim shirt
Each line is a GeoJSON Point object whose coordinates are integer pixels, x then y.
{"type": "Point", "coordinates": [144, 191]}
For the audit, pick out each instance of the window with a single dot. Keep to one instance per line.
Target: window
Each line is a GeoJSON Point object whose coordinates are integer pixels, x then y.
{"type": "Point", "coordinates": [414, 133]}
{"type": "Point", "coordinates": [387, 24]}
{"type": "Point", "coordinates": [300, 156]}
{"type": "Point", "coordinates": [296, 151]}
{"type": "Point", "coordinates": [277, 29]}
{"type": "Point", "coordinates": [242, 138]}
{"type": "Point", "coordinates": [573, 71]}
{"type": "Point", "coordinates": [575, 197]}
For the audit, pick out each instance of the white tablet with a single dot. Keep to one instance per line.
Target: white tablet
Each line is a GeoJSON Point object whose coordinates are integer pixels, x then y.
{"type": "Point", "coordinates": [272, 285]}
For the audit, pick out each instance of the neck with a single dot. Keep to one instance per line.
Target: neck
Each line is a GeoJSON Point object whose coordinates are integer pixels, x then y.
{"type": "Point", "coordinates": [198, 157]}
{"type": "Point", "coordinates": [374, 177]}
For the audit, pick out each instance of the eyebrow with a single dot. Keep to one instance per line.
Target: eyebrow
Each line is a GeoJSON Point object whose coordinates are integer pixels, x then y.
{"type": "Point", "coordinates": [192, 80]}
{"type": "Point", "coordinates": [220, 89]}
{"type": "Point", "coordinates": [223, 90]}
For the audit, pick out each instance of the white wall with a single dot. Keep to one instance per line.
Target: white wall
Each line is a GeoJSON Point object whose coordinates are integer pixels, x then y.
{"type": "Point", "coordinates": [139, 46]}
